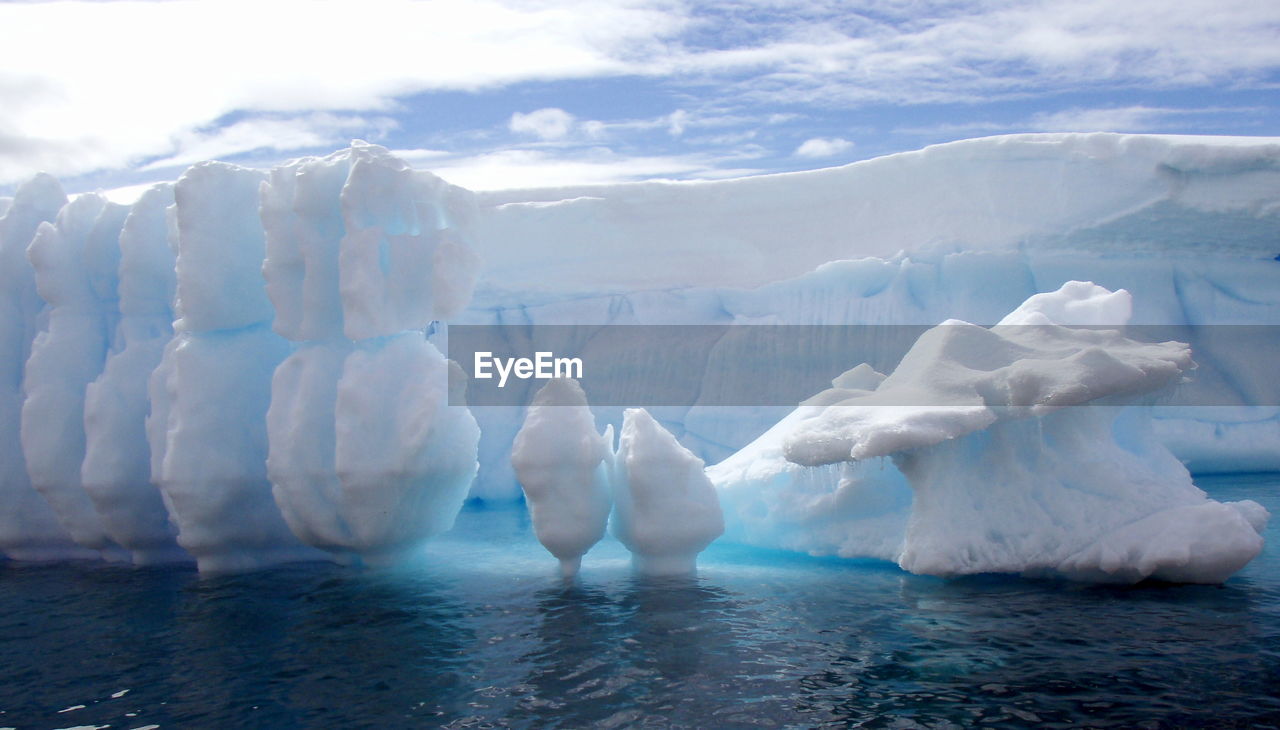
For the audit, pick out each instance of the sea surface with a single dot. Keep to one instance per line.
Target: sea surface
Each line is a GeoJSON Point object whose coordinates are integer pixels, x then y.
{"type": "Point", "coordinates": [484, 633]}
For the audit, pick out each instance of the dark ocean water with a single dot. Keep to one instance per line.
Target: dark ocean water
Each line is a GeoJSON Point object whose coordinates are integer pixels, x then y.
{"type": "Point", "coordinates": [484, 634]}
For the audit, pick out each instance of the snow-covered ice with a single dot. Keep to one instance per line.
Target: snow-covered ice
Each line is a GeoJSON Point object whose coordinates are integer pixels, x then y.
{"type": "Point", "coordinates": [405, 456]}
{"type": "Point", "coordinates": [210, 458]}
{"type": "Point", "coordinates": [1018, 452]}
{"type": "Point", "coordinates": [360, 244]}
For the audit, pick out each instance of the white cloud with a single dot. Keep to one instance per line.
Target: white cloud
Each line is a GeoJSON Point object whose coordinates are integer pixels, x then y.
{"type": "Point", "coordinates": [128, 194]}
{"type": "Point", "coordinates": [87, 85]}
{"type": "Point", "coordinates": [419, 157]}
{"type": "Point", "coordinates": [823, 147]}
{"type": "Point", "coordinates": [676, 122]}
{"type": "Point", "coordinates": [90, 85]}
{"type": "Point", "coordinates": [523, 168]}
{"type": "Point", "coordinates": [545, 124]}
{"type": "Point", "coordinates": [942, 50]}
{"type": "Point", "coordinates": [682, 121]}
{"type": "Point", "coordinates": [1100, 119]}
{"type": "Point", "coordinates": [283, 134]}
{"type": "Point", "coordinates": [1119, 119]}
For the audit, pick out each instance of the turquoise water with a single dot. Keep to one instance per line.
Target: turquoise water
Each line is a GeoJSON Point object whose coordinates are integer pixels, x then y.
{"type": "Point", "coordinates": [483, 634]}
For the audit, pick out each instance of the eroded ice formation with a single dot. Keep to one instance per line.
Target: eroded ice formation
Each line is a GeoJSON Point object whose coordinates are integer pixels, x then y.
{"type": "Point", "coordinates": [116, 471]}
{"type": "Point", "coordinates": [74, 260]}
{"type": "Point", "coordinates": [1017, 452]}
{"type": "Point", "coordinates": [29, 529]}
{"type": "Point", "coordinates": [666, 510]}
{"type": "Point", "coordinates": [367, 457]}
{"type": "Point", "coordinates": [166, 362]}
{"type": "Point", "coordinates": [210, 393]}
{"type": "Point", "coordinates": [563, 465]}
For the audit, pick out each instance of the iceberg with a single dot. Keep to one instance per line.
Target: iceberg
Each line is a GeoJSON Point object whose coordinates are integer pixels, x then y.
{"type": "Point", "coordinates": [666, 509]}
{"type": "Point", "coordinates": [1017, 449]}
{"type": "Point", "coordinates": [563, 466]}
{"type": "Point", "coordinates": [248, 366]}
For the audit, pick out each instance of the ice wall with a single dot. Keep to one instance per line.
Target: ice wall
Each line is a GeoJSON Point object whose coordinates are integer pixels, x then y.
{"type": "Point", "coordinates": [1094, 193]}
{"type": "Point", "coordinates": [967, 230]}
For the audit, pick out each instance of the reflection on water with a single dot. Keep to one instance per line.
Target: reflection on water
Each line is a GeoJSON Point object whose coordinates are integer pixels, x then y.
{"type": "Point", "coordinates": [312, 644]}
{"type": "Point", "coordinates": [487, 635]}
{"type": "Point", "coordinates": [610, 660]}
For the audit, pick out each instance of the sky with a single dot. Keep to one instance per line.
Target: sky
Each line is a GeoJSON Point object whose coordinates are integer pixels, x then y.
{"type": "Point", "coordinates": [493, 94]}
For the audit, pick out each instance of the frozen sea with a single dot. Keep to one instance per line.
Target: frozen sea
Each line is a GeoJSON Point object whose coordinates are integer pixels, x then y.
{"type": "Point", "coordinates": [485, 634]}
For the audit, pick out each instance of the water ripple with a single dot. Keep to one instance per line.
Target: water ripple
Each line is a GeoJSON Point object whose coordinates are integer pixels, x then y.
{"type": "Point", "coordinates": [484, 634]}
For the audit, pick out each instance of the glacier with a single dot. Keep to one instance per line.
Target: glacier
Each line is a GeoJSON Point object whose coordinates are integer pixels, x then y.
{"type": "Point", "coordinates": [247, 366]}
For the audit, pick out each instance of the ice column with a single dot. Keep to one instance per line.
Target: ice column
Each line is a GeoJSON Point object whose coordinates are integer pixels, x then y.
{"type": "Point", "coordinates": [303, 224]}
{"type": "Point", "coordinates": [117, 466]}
{"type": "Point", "coordinates": [29, 530]}
{"type": "Point", "coordinates": [210, 394]}
{"type": "Point", "coordinates": [563, 465]}
{"type": "Point", "coordinates": [74, 260]}
{"type": "Point", "coordinates": [667, 510]}
{"type": "Point", "coordinates": [367, 457]}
